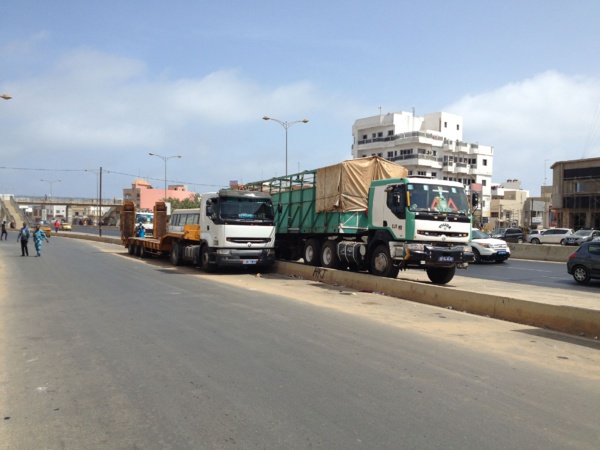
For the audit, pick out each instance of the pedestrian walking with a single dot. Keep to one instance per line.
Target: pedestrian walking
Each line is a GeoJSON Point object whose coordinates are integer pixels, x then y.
{"type": "Point", "coordinates": [38, 237]}
{"type": "Point", "coordinates": [4, 232]}
{"type": "Point", "coordinates": [56, 226]}
{"type": "Point", "coordinates": [23, 237]}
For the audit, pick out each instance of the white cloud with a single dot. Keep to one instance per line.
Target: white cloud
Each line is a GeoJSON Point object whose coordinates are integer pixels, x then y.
{"type": "Point", "coordinates": [90, 107]}
{"type": "Point", "coordinates": [533, 123]}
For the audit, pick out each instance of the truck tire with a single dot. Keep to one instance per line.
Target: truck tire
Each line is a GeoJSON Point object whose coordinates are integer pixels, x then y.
{"type": "Point", "coordinates": [382, 264]}
{"type": "Point", "coordinates": [329, 255]}
{"type": "Point", "coordinates": [175, 254]}
{"type": "Point", "coordinates": [205, 260]}
{"type": "Point", "coordinates": [312, 252]}
{"type": "Point", "coordinates": [143, 252]}
{"type": "Point", "coordinates": [441, 275]}
{"type": "Point", "coordinates": [131, 248]}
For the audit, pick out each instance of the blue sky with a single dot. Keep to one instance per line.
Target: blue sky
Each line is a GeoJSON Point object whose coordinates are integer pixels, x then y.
{"type": "Point", "coordinates": [104, 83]}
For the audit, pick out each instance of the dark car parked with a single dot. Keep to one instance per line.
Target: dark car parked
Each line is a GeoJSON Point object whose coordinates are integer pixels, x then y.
{"type": "Point", "coordinates": [509, 234]}
{"type": "Point", "coordinates": [584, 264]}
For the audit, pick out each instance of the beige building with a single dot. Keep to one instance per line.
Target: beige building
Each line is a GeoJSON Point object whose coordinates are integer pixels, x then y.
{"type": "Point", "coordinates": [576, 193]}
{"type": "Point", "coordinates": [507, 205]}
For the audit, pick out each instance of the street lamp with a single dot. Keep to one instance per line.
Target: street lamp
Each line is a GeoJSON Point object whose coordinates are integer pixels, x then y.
{"type": "Point", "coordinates": [285, 124]}
{"type": "Point", "coordinates": [165, 159]}
{"type": "Point", "coordinates": [51, 182]}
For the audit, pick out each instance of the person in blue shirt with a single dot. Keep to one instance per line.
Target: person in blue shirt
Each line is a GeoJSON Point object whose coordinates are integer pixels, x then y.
{"type": "Point", "coordinates": [38, 237]}
{"type": "Point", "coordinates": [23, 237]}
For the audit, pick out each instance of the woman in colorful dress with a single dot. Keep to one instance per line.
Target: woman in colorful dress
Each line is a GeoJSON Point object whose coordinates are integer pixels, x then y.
{"type": "Point", "coordinates": [38, 237]}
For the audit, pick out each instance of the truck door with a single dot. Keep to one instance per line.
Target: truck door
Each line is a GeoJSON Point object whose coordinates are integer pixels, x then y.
{"type": "Point", "coordinates": [394, 215]}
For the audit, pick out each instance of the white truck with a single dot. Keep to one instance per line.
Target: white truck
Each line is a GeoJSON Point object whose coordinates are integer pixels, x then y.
{"type": "Point", "coordinates": [231, 228]}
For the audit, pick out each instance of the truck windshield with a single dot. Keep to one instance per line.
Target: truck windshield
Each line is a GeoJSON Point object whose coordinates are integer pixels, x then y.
{"type": "Point", "coordinates": [434, 197]}
{"type": "Point", "coordinates": [246, 209]}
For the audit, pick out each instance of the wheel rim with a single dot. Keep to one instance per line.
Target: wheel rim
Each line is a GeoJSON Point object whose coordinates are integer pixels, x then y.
{"type": "Point", "coordinates": [326, 256]}
{"type": "Point", "coordinates": [309, 254]}
{"type": "Point", "coordinates": [381, 262]}
{"type": "Point", "coordinates": [580, 274]}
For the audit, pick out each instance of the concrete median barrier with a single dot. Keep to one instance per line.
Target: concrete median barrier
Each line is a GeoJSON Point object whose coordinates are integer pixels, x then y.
{"type": "Point", "coordinates": [541, 252]}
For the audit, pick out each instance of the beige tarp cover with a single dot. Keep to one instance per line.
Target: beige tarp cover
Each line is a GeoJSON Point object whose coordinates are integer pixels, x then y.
{"type": "Point", "coordinates": [345, 186]}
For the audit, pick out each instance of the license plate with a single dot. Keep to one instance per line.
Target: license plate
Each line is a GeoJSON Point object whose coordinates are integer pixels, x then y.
{"type": "Point", "coordinates": [502, 253]}
{"type": "Point", "coordinates": [446, 259]}
{"type": "Point", "coordinates": [249, 261]}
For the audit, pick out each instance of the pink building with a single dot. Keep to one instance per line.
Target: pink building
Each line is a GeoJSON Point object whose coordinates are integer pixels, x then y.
{"type": "Point", "coordinates": [144, 196]}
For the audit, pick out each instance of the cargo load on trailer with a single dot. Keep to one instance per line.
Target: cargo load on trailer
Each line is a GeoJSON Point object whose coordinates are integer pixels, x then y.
{"type": "Point", "coordinates": [368, 214]}
{"type": "Point", "coordinates": [230, 228]}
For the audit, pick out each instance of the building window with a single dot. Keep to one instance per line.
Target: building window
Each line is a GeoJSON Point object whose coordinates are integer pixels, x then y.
{"type": "Point", "coordinates": [380, 134]}
{"type": "Point", "coordinates": [422, 173]}
{"type": "Point", "coordinates": [390, 132]}
{"type": "Point", "coordinates": [457, 127]}
{"type": "Point", "coordinates": [484, 182]}
{"type": "Point", "coordinates": [373, 135]}
{"type": "Point", "coordinates": [410, 173]}
{"type": "Point", "coordinates": [485, 162]}
{"type": "Point", "coordinates": [364, 137]}
{"type": "Point", "coordinates": [445, 124]}
{"type": "Point", "coordinates": [434, 174]}
{"type": "Point", "coordinates": [390, 154]}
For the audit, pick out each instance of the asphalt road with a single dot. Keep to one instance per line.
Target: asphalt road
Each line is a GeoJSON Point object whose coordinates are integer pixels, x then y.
{"type": "Point", "coordinates": [102, 350]}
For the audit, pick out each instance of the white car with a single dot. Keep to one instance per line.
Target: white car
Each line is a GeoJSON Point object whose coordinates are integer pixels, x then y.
{"type": "Point", "coordinates": [553, 236]}
{"type": "Point", "coordinates": [534, 233]}
{"type": "Point", "coordinates": [486, 248]}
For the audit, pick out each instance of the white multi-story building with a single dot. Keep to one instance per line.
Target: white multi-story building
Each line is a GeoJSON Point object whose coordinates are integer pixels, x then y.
{"type": "Point", "coordinates": [431, 145]}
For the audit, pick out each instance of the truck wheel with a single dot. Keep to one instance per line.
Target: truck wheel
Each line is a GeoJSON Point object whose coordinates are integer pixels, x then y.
{"type": "Point", "coordinates": [175, 255]}
{"type": "Point", "coordinates": [138, 250]}
{"type": "Point", "coordinates": [205, 260]}
{"type": "Point", "coordinates": [476, 257]}
{"type": "Point", "coordinates": [312, 251]}
{"type": "Point", "coordinates": [329, 255]}
{"type": "Point", "coordinates": [382, 264]}
{"type": "Point", "coordinates": [131, 248]}
{"type": "Point", "coordinates": [143, 252]}
{"type": "Point", "coordinates": [441, 275]}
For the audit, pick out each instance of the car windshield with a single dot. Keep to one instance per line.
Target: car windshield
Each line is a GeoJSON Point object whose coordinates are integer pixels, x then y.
{"type": "Point", "coordinates": [476, 234]}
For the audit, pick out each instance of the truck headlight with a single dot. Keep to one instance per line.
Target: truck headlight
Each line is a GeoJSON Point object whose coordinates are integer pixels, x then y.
{"type": "Point", "coordinates": [415, 247]}
{"type": "Point", "coordinates": [223, 251]}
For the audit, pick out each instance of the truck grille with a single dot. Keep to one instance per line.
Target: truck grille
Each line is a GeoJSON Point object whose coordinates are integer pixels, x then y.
{"type": "Point", "coordinates": [249, 240]}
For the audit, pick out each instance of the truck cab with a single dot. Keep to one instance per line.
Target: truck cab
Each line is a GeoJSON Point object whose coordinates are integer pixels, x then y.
{"type": "Point", "coordinates": [236, 228]}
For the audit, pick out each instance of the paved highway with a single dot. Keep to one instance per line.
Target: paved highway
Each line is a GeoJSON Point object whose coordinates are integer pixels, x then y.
{"type": "Point", "coordinates": [102, 350]}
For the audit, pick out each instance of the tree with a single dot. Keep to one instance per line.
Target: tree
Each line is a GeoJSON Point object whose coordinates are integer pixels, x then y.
{"type": "Point", "coordinates": [193, 201]}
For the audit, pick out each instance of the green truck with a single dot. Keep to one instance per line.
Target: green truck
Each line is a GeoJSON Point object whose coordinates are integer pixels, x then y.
{"type": "Point", "coordinates": [368, 214]}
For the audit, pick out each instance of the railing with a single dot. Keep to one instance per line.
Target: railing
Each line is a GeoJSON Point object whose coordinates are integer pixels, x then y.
{"type": "Point", "coordinates": [66, 200]}
{"type": "Point", "coordinates": [410, 134]}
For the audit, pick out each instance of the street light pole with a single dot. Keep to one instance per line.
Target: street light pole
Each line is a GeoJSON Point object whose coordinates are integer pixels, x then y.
{"type": "Point", "coordinates": [285, 124]}
{"type": "Point", "coordinates": [51, 182]}
{"type": "Point", "coordinates": [165, 159]}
